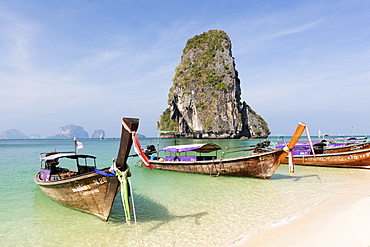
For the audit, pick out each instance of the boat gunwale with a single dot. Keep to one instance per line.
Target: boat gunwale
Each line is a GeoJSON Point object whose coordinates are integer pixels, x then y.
{"type": "Point", "coordinates": [334, 154]}
{"type": "Point", "coordinates": [231, 159]}
{"type": "Point", "coordinates": [67, 180]}
{"type": "Point", "coordinates": [347, 146]}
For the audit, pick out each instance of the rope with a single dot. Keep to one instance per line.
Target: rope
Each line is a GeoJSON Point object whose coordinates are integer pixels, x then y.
{"type": "Point", "coordinates": [125, 185]}
{"type": "Point", "coordinates": [215, 167]}
{"type": "Point", "coordinates": [126, 182]}
{"type": "Point", "coordinates": [133, 208]}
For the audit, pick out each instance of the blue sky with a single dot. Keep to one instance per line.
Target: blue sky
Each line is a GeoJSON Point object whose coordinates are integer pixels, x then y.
{"type": "Point", "coordinates": [91, 62]}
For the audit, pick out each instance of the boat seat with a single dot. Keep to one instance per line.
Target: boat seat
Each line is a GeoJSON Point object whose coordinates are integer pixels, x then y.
{"type": "Point", "coordinates": [200, 158]}
{"type": "Point", "coordinates": [85, 169]}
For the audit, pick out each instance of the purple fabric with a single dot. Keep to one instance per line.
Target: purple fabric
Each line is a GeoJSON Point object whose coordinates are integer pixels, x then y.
{"type": "Point", "coordinates": [45, 174]}
{"type": "Point", "coordinates": [169, 158]}
{"type": "Point", "coordinates": [188, 158]}
{"type": "Point", "coordinates": [181, 158]}
{"type": "Point", "coordinates": [203, 147]}
{"type": "Point", "coordinates": [183, 148]}
{"type": "Point", "coordinates": [301, 152]}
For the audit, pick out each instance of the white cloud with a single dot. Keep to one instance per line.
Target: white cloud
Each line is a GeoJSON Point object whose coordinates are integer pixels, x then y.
{"type": "Point", "coordinates": [297, 29]}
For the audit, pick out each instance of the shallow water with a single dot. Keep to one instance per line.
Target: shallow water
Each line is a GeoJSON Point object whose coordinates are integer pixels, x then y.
{"type": "Point", "coordinates": [172, 208]}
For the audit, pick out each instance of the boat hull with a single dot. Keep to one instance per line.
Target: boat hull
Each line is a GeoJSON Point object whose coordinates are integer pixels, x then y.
{"type": "Point", "coordinates": [352, 159]}
{"type": "Point", "coordinates": [91, 192]}
{"type": "Point", "coordinates": [347, 148]}
{"type": "Point", "coordinates": [261, 165]}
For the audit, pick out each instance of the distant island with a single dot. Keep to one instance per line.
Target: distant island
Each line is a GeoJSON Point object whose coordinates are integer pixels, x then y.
{"type": "Point", "coordinates": [13, 134]}
{"type": "Point", "coordinates": [98, 134]}
{"type": "Point", "coordinates": [70, 131]}
{"type": "Point", "coordinates": [67, 132]}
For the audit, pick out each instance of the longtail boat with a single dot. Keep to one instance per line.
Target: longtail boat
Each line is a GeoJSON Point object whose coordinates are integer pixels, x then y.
{"type": "Point", "coordinates": [334, 145]}
{"type": "Point", "coordinates": [257, 165]}
{"type": "Point", "coordinates": [350, 155]}
{"type": "Point", "coordinates": [87, 188]}
{"type": "Point", "coordinates": [346, 148]}
{"type": "Point", "coordinates": [350, 159]}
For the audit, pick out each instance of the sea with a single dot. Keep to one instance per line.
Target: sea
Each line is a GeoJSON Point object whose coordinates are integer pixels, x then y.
{"type": "Point", "coordinates": [171, 208]}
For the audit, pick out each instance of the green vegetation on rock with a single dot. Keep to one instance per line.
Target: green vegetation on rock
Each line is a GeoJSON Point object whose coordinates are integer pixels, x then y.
{"type": "Point", "coordinates": [166, 123]}
{"type": "Point", "coordinates": [199, 61]}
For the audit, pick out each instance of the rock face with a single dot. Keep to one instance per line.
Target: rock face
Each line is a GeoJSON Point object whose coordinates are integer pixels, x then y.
{"type": "Point", "coordinates": [98, 134]}
{"type": "Point", "coordinates": [70, 131]}
{"type": "Point", "coordinates": [205, 99]}
{"type": "Point", "coordinates": [13, 134]}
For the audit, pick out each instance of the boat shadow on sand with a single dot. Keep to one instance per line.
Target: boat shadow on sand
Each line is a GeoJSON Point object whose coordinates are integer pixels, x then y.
{"type": "Point", "coordinates": [293, 177]}
{"type": "Point", "coordinates": [148, 210]}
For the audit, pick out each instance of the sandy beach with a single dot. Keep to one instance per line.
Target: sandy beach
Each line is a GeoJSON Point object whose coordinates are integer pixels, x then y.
{"type": "Point", "coordinates": [343, 220]}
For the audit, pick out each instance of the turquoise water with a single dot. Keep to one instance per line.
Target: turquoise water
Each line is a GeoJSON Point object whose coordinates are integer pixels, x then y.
{"type": "Point", "coordinates": [172, 209]}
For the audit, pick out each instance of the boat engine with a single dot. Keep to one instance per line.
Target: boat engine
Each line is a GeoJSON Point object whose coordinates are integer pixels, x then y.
{"type": "Point", "coordinates": [150, 149]}
{"type": "Point", "coordinates": [261, 146]}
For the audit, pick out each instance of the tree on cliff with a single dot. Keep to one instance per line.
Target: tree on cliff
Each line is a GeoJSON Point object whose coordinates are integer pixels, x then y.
{"type": "Point", "coordinates": [205, 98]}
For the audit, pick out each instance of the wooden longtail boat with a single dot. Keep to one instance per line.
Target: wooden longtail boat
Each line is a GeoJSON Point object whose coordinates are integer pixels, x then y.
{"type": "Point", "coordinates": [328, 146]}
{"type": "Point", "coordinates": [258, 165]}
{"type": "Point", "coordinates": [347, 148]}
{"type": "Point", "coordinates": [86, 189]}
{"type": "Point", "coordinates": [350, 159]}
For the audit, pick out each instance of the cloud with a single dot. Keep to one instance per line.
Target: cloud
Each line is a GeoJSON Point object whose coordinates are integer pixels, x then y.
{"type": "Point", "coordinates": [17, 35]}
{"type": "Point", "coordinates": [297, 29]}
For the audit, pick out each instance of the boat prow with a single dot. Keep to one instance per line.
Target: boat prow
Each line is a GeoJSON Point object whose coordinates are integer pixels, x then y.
{"type": "Point", "coordinates": [87, 188]}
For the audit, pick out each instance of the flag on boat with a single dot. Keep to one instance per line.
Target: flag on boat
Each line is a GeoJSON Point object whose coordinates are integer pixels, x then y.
{"type": "Point", "coordinates": [78, 144]}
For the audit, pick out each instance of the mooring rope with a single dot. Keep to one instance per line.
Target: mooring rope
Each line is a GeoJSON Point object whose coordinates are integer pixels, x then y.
{"type": "Point", "coordinates": [126, 185]}
{"type": "Point", "coordinates": [134, 211]}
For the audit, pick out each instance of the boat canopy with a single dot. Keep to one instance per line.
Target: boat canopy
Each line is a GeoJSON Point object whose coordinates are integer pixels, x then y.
{"type": "Point", "coordinates": [201, 148]}
{"type": "Point", "coordinates": [65, 155]}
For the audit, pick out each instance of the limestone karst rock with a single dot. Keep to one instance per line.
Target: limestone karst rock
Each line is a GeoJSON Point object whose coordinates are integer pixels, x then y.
{"type": "Point", "coordinates": [13, 134]}
{"type": "Point", "coordinates": [98, 134]}
{"type": "Point", "coordinates": [205, 99]}
{"type": "Point", "coordinates": [70, 131]}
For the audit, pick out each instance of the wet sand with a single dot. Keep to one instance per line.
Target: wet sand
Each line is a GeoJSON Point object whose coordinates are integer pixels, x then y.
{"type": "Point", "coordinates": [343, 220]}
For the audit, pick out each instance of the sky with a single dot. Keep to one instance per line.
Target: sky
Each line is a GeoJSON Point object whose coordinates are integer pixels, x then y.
{"type": "Point", "coordinates": [90, 63]}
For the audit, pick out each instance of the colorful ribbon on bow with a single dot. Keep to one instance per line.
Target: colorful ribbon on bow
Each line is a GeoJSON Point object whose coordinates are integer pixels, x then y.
{"type": "Point", "coordinates": [125, 194]}
{"type": "Point", "coordinates": [290, 160]}
{"type": "Point", "coordinates": [137, 146]}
